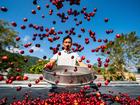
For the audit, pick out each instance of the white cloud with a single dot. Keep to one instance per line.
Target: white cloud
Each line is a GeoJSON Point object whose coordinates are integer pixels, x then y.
{"type": "Point", "coordinates": [13, 50]}
{"type": "Point", "coordinates": [26, 38]}
{"type": "Point", "coordinates": [37, 49]}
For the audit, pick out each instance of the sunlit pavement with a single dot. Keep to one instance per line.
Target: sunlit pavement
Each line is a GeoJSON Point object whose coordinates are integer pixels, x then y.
{"type": "Point", "coordinates": [43, 83]}
{"type": "Point", "coordinates": [43, 88]}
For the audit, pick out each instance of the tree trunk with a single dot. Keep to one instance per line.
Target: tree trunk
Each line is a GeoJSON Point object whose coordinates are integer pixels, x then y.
{"type": "Point", "coordinates": [0, 47]}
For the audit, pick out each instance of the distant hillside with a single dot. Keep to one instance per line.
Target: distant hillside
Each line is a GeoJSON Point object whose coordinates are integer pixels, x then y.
{"type": "Point", "coordinates": [19, 61]}
{"type": "Point", "coordinates": [32, 60]}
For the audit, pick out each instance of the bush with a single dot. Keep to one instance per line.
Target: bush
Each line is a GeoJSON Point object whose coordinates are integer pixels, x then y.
{"type": "Point", "coordinates": [13, 73]}
{"type": "Point", "coordinates": [118, 76]}
{"type": "Point", "coordinates": [38, 67]}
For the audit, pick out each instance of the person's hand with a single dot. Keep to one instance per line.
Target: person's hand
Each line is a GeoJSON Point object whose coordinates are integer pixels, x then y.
{"type": "Point", "coordinates": [90, 69]}
{"type": "Point", "coordinates": [48, 65]}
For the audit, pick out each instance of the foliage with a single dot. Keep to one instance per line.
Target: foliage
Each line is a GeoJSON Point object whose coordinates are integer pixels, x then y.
{"type": "Point", "coordinates": [31, 61]}
{"type": "Point", "coordinates": [7, 39]}
{"type": "Point", "coordinates": [122, 51]}
{"type": "Point", "coordinates": [38, 67]}
{"type": "Point", "coordinates": [7, 35]}
{"type": "Point", "coordinates": [18, 62]}
{"type": "Point", "coordinates": [99, 70]}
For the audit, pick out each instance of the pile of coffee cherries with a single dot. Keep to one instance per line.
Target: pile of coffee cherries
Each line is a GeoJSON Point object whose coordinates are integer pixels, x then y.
{"type": "Point", "coordinates": [75, 98]}
{"type": "Point", "coordinates": [52, 35]}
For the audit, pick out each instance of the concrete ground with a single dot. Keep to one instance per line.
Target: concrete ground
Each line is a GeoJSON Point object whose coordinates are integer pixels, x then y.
{"type": "Point", "coordinates": [132, 88]}
{"type": "Point", "coordinates": [11, 92]}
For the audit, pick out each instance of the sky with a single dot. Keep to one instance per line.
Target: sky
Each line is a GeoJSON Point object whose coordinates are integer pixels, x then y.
{"type": "Point", "coordinates": [123, 15]}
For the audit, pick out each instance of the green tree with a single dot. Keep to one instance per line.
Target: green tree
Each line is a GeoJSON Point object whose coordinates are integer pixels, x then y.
{"type": "Point", "coordinates": [132, 48]}
{"type": "Point", "coordinates": [7, 35]}
{"type": "Point", "coordinates": [7, 39]}
{"type": "Point", "coordinates": [123, 51]}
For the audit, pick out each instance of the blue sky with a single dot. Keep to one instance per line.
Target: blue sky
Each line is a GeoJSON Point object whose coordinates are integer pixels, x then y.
{"type": "Point", "coordinates": [124, 17]}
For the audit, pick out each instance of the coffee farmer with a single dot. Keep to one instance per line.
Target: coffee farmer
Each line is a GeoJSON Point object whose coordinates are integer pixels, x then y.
{"type": "Point", "coordinates": [65, 57]}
